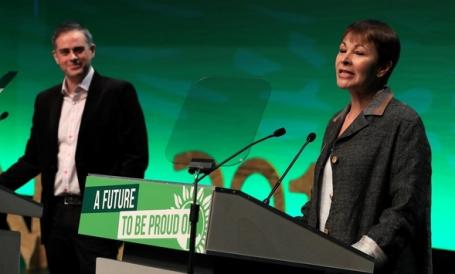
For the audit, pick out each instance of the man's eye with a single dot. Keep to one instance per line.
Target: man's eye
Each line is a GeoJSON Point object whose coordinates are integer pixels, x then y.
{"type": "Point", "coordinates": [78, 49]}
{"type": "Point", "coordinates": [64, 51]}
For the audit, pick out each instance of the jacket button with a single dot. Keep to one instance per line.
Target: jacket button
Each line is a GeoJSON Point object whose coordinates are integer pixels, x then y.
{"type": "Point", "coordinates": [334, 159]}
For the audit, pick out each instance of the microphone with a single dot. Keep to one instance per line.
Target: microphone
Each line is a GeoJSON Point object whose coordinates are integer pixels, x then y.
{"type": "Point", "coordinates": [6, 79]}
{"type": "Point", "coordinates": [277, 133]}
{"type": "Point", "coordinates": [310, 138]}
{"type": "Point", "coordinates": [4, 115]}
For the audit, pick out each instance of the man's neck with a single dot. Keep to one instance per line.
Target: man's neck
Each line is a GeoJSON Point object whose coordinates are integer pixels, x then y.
{"type": "Point", "coordinates": [71, 84]}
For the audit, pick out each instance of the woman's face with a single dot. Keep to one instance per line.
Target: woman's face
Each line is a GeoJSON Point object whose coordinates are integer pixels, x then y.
{"type": "Point", "coordinates": [356, 64]}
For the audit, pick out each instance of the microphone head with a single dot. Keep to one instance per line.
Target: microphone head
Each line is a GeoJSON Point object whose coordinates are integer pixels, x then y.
{"type": "Point", "coordinates": [310, 138]}
{"type": "Point", "coordinates": [279, 132]}
{"type": "Point", "coordinates": [4, 115]}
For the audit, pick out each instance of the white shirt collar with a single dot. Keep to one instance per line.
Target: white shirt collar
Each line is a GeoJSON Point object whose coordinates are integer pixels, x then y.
{"type": "Point", "coordinates": [84, 85]}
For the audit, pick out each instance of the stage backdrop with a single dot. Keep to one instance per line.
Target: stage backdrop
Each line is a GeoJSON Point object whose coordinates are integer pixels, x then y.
{"type": "Point", "coordinates": [165, 47]}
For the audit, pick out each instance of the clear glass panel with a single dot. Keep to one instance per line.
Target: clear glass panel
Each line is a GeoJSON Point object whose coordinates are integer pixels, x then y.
{"type": "Point", "coordinates": [220, 116]}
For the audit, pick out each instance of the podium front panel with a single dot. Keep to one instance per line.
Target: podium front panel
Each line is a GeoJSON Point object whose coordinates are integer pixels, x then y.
{"type": "Point", "coordinates": [242, 226]}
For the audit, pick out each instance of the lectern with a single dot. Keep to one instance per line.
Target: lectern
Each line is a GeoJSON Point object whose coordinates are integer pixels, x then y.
{"type": "Point", "coordinates": [243, 227]}
{"type": "Point", "coordinates": [12, 203]}
{"type": "Point", "coordinates": [236, 231]}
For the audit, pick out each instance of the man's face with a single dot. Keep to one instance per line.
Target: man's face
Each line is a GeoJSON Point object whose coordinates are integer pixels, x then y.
{"type": "Point", "coordinates": [73, 54]}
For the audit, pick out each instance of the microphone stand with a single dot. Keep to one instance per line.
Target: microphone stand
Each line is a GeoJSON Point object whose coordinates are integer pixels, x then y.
{"type": "Point", "coordinates": [277, 133]}
{"type": "Point", "coordinates": [310, 138]}
{"type": "Point", "coordinates": [194, 218]}
{"type": "Point", "coordinates": [207, 166]}
{"type": "Point", "coordinates": [196, 167]}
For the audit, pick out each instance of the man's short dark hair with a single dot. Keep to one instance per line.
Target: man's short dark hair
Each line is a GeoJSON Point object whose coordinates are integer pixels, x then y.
{"type": "Point", "coordinates": [70, 26]}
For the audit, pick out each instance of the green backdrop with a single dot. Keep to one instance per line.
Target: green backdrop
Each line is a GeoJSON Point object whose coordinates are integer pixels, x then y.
{"type": "Point", "coordinates": [163, 47]}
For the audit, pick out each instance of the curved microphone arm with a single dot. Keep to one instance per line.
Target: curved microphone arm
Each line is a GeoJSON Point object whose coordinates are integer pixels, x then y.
{"type": "Point", "coordinates": [310, 138]}
{"type": "Point", "coordinates": [277, 133]}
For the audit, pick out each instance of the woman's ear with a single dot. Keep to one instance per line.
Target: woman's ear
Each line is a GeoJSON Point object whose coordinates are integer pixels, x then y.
{"type": "Point", "coordinates": [384, 69]}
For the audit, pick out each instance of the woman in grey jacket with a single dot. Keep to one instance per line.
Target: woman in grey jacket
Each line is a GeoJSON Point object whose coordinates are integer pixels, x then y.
{"type": "Point", "coordinates": [372, 181]}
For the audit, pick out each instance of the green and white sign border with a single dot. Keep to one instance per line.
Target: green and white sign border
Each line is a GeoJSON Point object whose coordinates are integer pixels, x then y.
{"type": "Point", "coordinates": [143, 211]}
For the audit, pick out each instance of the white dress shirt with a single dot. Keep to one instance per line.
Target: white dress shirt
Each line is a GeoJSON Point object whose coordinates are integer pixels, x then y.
{"type": "Point", "coordinates": [326, 196]}
{"type": "Point", "coordinates": [66, 182]}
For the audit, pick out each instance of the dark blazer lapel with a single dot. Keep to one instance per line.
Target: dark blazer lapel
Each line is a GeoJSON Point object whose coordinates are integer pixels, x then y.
{"type": "Point", "coordinates": [332, 131]}
{"type": "Point", "coordinates": [87, 121]}
{"type": "Point", "coordinates": [88, 114]}
{"type": "Point", "coordinates": [330, 138]}
{"type": "Point", "coordinates": [55, 109]}
{"type": "Point", "coordinates": [376, 108]}
{"type": "Point", "coordinates": [359, 123]}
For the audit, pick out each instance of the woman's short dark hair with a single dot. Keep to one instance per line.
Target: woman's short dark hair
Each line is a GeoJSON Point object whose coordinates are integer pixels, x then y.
{"type": "Point", "coordinates": [383, 37]}
{"type": "Point", "coordinates": [70, 26]}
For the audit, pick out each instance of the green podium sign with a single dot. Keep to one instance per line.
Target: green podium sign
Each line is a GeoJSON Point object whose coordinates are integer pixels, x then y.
{"type": "Point", "coordinates": [142, 211]}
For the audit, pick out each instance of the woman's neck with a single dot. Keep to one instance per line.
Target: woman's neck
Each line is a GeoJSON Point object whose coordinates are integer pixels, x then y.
{"type": "Point", "coordinates": [359, 102]}
{"type": "Point", "coordinates": [361, 99]}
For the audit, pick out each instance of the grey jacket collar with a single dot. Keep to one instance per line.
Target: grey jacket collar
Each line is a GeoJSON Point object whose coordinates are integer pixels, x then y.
{"type": "Point", "coordinates": [377, 106]}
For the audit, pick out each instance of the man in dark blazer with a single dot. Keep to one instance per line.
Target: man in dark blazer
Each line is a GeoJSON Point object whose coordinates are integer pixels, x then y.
{"type": "Point", "coordinates": [87, 124]}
